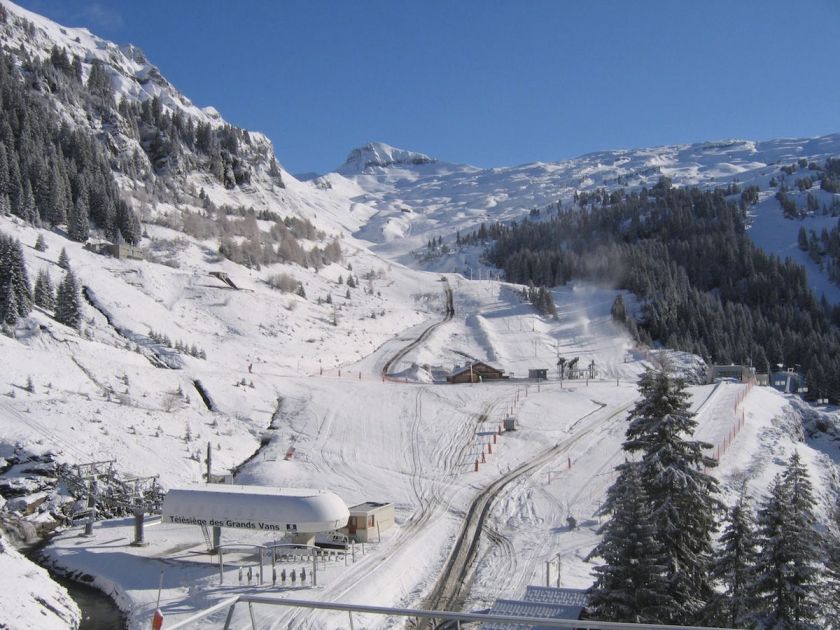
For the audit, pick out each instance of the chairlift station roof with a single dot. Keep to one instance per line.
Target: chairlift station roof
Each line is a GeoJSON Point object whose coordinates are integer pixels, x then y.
{"type": "Point", "coordinates": [258, 508]}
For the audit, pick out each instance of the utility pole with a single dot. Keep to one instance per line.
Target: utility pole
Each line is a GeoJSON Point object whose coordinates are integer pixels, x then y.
{"type": "Point", "coordinates": [209, 461]}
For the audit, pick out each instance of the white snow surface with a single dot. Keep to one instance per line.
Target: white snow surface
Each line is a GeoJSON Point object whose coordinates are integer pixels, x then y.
{"type": "Point", "coordinates": [30, 599]}
{"type": "Point", "coordinates": [416, 202]}
{"type": "Point", "coordinates": [305, 377]}
{"type": "Point", "coordinates": [412, 443]}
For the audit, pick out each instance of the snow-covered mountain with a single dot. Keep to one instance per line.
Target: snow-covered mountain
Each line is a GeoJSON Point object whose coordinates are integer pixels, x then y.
{"type": "Point", "coordinates": [417, 201]}
{"type": "Point", "coordinates": [277, 362]}
{"type": "Point", "coordinates": [169, 155]}
{"type": "Point", "coordinates": [379, 154]}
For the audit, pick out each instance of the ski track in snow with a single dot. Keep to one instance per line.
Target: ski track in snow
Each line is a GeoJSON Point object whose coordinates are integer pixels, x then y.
{"type": "Point", "coordinates": [314, 372]}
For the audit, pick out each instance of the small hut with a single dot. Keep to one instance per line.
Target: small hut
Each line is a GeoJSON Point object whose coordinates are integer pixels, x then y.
{"type": "Point", "coordinates": [368, 520]}
{"type": "Point", "coordinates": [475, 372]}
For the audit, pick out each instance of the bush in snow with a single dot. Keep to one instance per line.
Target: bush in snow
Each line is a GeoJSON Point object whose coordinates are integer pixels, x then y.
{"type": "Point", "coordinates": [283, 282]}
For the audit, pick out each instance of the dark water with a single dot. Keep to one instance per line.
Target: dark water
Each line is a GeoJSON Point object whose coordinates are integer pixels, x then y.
{"type": "Point", "coordinates": [99, 612]}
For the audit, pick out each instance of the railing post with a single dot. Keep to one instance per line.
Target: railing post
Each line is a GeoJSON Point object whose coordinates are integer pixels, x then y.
{"type": "Point", "coordinates": [229, 616]}
{"type": "Point", "coordinates": [251, 611]}
{"type": "Point", "coordinates": [221, 568]}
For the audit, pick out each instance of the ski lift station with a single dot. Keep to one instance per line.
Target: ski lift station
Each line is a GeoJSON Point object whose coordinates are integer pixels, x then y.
{"type": "Point", "coordinates": [293, 511]}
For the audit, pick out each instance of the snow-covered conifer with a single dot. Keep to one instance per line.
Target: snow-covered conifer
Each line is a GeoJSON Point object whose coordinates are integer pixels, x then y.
{"type": "Point", "coordinates": [8, 305]}
{"type": "Point", "coordinates": [789, 569]}
{"type": "Point", "coordinates": [630, 586]}
{"type": "Point", "coordinates": [15, 293]}
{"type": "Point", "coordinates": [44, 293]}
{"type": "Point", "coordinates": [682, 495]}
{"type": "Point", "coordinates": [78, 224]}
{"type": "Point", "coordinates": [68, 308]}
{"type": "Point", "coordinates": [735, 565]}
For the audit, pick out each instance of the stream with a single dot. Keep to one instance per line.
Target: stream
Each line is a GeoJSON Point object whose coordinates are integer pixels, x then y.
{"type": "Point", "coordinates": [99, 612]}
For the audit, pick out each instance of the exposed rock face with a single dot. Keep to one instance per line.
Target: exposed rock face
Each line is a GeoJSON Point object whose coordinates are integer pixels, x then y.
{"type": "Point", "coordinates": [379, 154]}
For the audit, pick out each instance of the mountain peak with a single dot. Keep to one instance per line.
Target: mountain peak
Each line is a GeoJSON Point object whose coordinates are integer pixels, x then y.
{"type": "Point", "coordinates": [379, 154]}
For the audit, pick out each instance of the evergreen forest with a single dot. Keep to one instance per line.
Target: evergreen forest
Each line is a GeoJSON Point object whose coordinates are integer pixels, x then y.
{"type": "Point", "coordinates": [703, 286]}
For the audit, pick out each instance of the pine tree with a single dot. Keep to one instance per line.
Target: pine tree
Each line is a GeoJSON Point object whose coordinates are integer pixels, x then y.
{"type": "Point", "coordinates": [127, 223]}
{"type": "Point", "coordinates": [15, 293]}
{"type": "Point", "coordinates": [78, 225]}
{"type": "Point", "coordinates": [68, 308]}
{"type": "Point", "coordinates": [831, 601]}
{"type": "Point", "coordinates": [630, 585]}
{"type": "Point", "coordinates": [44, 292]}
{"type": "Point", "coordinates": [682, 496]}
{"type": "Point", "coordinates": [63, 259]}
{"type": "Point", "coordinates": [735, 565]}
{"type": "Point", "coordinates": [786, 583]}
{"type": "Point", "coordinates": [8, 305]}
{"type": "Point", "coordinates": [40, 243]}
{"type": "Point", "coordinates": [26, 205]}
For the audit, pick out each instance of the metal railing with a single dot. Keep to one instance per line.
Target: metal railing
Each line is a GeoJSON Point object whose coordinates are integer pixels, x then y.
{"type": "Point", "coordinates": [442, 615]}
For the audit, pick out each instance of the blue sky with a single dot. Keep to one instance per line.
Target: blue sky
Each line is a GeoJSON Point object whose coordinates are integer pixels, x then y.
{"type": "Point", "coordinates": [485, 82]}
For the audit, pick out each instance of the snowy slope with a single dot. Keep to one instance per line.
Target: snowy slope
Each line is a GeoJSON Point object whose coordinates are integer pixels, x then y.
{"type": "Point", "coordinates": [415, 444]}
{"type": "Point", "coordinates": [30, 598]}
{"type": "Point", "coordinates": [135, 79]}
{"type": "Point", "coordinates": [416, 202]}
{"type": "Point", "coordinates": [306, 372]}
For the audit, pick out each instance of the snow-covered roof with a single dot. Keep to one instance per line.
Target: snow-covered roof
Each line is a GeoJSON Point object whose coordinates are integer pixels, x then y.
{"type": "Point", "coordinates": [255, 507]}
{"type": "Point", "coordinates": [476, 366]}
{"type": "Point", "coordinates": [369, 507]}
{"type": "Point", "coordinates": [520, 608]}
{"type": "Point", "coordinates": [562, 596]}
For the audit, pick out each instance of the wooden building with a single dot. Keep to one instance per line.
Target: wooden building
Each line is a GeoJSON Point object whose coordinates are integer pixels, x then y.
{"type": "Point", "coordinates": [368, 520]}
{"type": "Point", "coordinates": [475, 372]}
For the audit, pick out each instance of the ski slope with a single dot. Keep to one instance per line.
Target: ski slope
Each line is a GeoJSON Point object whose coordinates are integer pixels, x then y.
{"type": "Point", "coordinates": [287, 372]}
{"type": "Point", "coordinates": [415, 444]}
